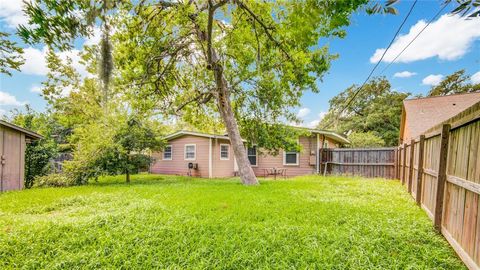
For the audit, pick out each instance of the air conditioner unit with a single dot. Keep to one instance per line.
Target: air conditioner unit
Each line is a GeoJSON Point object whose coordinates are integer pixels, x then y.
{"type": "Point", "coordinates": [193, 166]}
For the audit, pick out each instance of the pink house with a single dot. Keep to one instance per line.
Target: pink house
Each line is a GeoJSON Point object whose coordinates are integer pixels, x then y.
{"type": "Point", "coordinates": [210, 155]}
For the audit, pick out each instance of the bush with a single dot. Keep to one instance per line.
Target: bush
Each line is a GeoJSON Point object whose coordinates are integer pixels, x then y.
{"type": "Point", "coordinates": [365, 139]}
{"type": "Point", "coordinates": [37, 159]}
{"type": "Point", "coordinates": [53, 180]}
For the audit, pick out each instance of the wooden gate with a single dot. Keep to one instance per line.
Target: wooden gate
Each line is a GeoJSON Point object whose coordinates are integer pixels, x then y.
{"type": "Point", "coordinates": [366, 162]}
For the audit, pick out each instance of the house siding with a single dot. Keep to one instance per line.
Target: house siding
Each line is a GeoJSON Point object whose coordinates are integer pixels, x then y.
{"type": "Point", "coordinates": [178, 165]}
{"type": "Point", "coordinates": [222, 168]}
{"type": "Point", "coordinates": [308, 144]}
{"type": "Point", "coordinates": [226, 168]}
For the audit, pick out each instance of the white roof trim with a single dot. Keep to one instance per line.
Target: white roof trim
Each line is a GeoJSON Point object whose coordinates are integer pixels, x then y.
{"type": "Point", "coordinates": [330, 134]}
{"type": "Point", "coordinates": [198, 134]}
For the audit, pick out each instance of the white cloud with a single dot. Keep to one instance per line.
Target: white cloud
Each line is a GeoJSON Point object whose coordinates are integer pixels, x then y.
{"type": "Point", "coordinates": [404, 74]}
{"type": "Point", "coordinates": [475, 78]}
{"type": "Point", "coordinates": [11, 13]}
{"type": "Point", "coordinates": [314, 123]}
{"type": "Point", "coordinates": [36, 64]}
{"type": "Point", "coordinates": [448, 38]}
{"type": "Point", "coordinates": [9, 100]}
{"type": "Point", "coordinates": [303, 112]}
{"type": "Point", "coordinates": [36, 89]}
{"type": "Point", "coordinates": [432, 79]}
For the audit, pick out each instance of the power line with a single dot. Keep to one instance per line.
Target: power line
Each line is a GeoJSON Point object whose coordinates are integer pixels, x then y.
{"type": "Point", "coordinates": [381, 58]}
{"type": "Point", "coordinates": [429, 22]}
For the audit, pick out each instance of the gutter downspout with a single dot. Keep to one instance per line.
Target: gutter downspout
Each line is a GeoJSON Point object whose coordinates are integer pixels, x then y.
{"type": "Point", "coordinates": [210, 158]}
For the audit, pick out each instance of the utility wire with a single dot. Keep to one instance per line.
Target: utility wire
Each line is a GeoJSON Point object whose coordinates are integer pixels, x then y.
{"type": "Point", "coordinates": [429, 22]}
{"type": "Point", "coordinates": [381, 58]}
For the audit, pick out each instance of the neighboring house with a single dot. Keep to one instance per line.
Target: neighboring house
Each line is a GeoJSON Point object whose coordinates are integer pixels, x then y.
{"type": "Point", "coordinates": [212, 155]}
{"type": "Point", "coordinates": [421, 114]}
{"type": "Point", "coordinates": [13, 140]}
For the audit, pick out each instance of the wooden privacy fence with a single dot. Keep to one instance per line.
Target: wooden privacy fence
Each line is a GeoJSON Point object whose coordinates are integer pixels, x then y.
{"type": "Point", "coordinates": [441, 170]}
{"type": "Point", "coordinates": [366, 162]}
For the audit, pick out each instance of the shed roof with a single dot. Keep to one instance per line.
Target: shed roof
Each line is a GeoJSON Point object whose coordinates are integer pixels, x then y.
{"type": "Point", "coordinates": [421, 114]}
{"type": "Point", "coordinates": [30, 134]}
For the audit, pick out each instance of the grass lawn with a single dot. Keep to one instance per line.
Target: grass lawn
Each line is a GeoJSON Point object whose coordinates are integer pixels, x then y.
{"type": "Point", "coordinates": [187, 223]}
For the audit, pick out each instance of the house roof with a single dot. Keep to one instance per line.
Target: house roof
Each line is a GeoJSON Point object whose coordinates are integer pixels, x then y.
{"type": "Point", "coordinates": [30, 134]}
{"type": "Point", "coordinates": [194, 133]}
{"type": "Point", "coordinates": [421, 114]}
{"type": "Point", "coordinates": [330, 134]}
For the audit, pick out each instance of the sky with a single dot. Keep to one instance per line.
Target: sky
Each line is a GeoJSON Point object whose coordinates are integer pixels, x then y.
{"type": "Point", "coordinates": [448, 44]}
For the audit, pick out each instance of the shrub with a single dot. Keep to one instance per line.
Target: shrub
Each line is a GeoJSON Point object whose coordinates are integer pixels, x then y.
{"type": "Point", "coordinates": [365, 139]}
{"type": "Point", "coordinates": [53, 180]}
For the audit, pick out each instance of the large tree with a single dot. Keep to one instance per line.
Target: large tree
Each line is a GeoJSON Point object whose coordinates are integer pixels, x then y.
{"type": "Point", "coordinates": [252, 60]}
{"type": "Point", "coordinates": [246, 61]}
{"type": "Point", "coordinates": [376, 110]}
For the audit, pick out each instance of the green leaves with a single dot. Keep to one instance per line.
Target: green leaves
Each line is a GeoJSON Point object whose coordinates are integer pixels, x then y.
{"type": "Point", "coordinates": [455, 83]}
{"type": "Point", "coordinates": [10, 55]}
{"type": "Point", "coordinates": [374, 114]}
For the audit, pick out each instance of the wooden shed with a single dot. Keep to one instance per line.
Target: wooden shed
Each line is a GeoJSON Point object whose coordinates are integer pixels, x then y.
{"type": "Point", "coordinates": [13, 140]}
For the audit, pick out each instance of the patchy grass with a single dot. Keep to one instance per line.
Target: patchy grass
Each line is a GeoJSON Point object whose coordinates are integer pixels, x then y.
{"type": "Point", "coordinates": [178, 222]}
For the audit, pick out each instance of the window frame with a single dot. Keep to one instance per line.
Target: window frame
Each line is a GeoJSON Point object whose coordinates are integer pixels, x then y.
{"type": "Point", "coordinates": [228, 151]}
{"type": "Point", "coordinates": [256, 156]}
{"type": "Point", "coordinates": [285, 153]}
{"type": "Point", "coordinates": [194, 151]}
{"type": "Point", "coordinates": [171, 152]}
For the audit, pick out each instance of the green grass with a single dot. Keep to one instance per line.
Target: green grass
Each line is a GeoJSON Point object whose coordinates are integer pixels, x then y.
{"type": "Point", "coordinates": [186, 223]}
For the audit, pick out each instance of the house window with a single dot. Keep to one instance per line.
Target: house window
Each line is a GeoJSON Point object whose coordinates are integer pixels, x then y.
{"type": "Point", "coordinates": [252, 155]}
{"type": "Point", "coordinates": [224, 151]}
{"type": "Point", "coordinates": [167, 152]}
{"type": "Point", "coordinates": [190, 152]}
{"type": "Point", "coordinates": [325, 144]}
{"type": "Point", "coordinates": [290, 158]}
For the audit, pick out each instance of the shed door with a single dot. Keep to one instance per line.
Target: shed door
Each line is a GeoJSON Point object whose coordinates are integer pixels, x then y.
{"type": "Point", "coordinates": [11, 159]}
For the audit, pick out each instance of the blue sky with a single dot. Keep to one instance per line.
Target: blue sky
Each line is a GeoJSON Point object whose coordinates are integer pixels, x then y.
{"type": "Point", "coordinates": [450, 43]}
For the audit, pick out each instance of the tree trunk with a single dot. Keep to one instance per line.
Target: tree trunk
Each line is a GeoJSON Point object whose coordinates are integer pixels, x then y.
{"type": "Point", "coordinates": [223, 102]}
{"type": "Point", "coordinates": [225, 107]}
{"type": "Point", "coordinates": [127, 176]}
{"type": "Point", "coordinates": [127, 169]}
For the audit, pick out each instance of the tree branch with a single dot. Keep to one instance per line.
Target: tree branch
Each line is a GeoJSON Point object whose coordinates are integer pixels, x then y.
{"type": "Point", "coordinates": [265, 28]}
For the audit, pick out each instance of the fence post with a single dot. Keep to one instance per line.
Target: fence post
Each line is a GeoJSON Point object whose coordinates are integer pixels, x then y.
{"type": "Point", "coordinates": [410, 166]}
{"type": "Point", "coordinates": [421, 147]}
{"type": "Point", "coordinates": [442, 177]}
{"type": "Point", "coordinates": [404, 163]}
{"type": "Point", "coordinates": [400, 162]}
{"type": "Point", "coordinates": [397, 158]}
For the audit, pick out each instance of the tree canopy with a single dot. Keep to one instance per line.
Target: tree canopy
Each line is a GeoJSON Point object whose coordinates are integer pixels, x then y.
{"type": "Point", "coordinates": [455, 83]}
{"type": "Point", "coordinates": [241, 61]}
{"type": "Point", "coordinates": [376, 110]}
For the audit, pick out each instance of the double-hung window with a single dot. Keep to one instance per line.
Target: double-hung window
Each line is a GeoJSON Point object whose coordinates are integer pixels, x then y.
{"type": "Point", "coordinates": [167, 152]}
{"type": "Point", "coordinates": [290, 158]}
{"type": "Point", "coordinates": [224, 151]}
{"type": "Point", "coordinates": [252, 155]}
{"type": "Point", "coordinates": [190, 151]}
